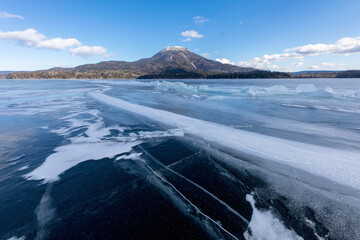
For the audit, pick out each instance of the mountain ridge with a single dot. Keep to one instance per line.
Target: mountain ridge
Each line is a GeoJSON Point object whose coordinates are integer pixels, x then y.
{"type": "Point", "coordinates": [169, 60]}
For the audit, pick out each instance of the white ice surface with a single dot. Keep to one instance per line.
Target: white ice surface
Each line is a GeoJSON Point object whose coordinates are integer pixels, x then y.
{"type": "Point", "coordinates": [264, 226]}
{"type": "Point", "coordinates": [337, 109]}
{"type": "Point", "coordinates": [341, 166]}
{"type": "Point", "coordinates": [303, 127]}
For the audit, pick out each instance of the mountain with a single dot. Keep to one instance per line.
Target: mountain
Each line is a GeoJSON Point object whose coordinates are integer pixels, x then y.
{"type": "Point", "coordinates": [168, 59]}
{"type": "Point", "coordinates": [172, 62]}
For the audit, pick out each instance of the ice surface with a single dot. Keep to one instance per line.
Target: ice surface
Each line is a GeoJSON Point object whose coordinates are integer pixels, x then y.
{"type": "Point", "coordinates": [303, 88]}
{"type": "Point", "coordinates": [341, 166]}
{"type": "Point", "coordinates": [304, 127]}
{"type": "Point", "coordinates": [322, 112]}
{"type": "Point", "coordinates": [326, 108]}
{"type": "Point", "coordinates": [277, 89]}
{"type": "Point", "coordinates": [264, 226]}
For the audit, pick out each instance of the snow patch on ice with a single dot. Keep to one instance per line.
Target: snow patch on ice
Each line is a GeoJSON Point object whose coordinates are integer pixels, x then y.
{"type": "Point", "coordinates": [132, 156]}
{"type": "Point", "coordinates": [68, 156]}
{"type": "Point", "coordinates": [23, 168]}
{"type": "Point", "coordinates": [265, 226]}
{"type": "Point", "coordinates": [45, 213]}
{"type": "Point", "coordinates": [17, 238]}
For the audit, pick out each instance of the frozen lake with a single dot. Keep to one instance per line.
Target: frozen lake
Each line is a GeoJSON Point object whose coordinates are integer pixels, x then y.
{"type": "Point", "coordinates": [189, 159]}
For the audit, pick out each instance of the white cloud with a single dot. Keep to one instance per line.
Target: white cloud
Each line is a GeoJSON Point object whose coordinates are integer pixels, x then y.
{"type": "Point", "coordinates": [225, 61]}
{"type": "Point", "coordinates": [255, 63]}
{"type": "Point", "coordinates": [59, 43]}
{"type": "Point", "coordinates": [191, 34]}
{"type": "Point", "coordinates": [9, 15]}
{"type": "Point", "coordinates": [258, 64]}
{"type": "Point", "coordinates": [333, 66]}
{"type": "Point", "coordinates": [279, 57]}
{"type": "Point", "coordinates": [264, 62]}
{"type": "Point", "coordinates": [200, 20]}
{"type": "Point", "coordinates": [314, 67]}
{"type": "Point", "coordinates": [298, 64]}
{"type": "Point", "coordinates": [328, 64]}
{"type": "Point", "coordinates": [32, 38]}
{"type": "Point", "coordinates": [205, 55]}
{"type": "Point", "coordinates": [343, 46]}
{"type": "Point", "coordinates": [187, 40]}
{"type": "Point", "coordinates": [29, 37]}
{"type": "Point", "coordinates": [86, 51]}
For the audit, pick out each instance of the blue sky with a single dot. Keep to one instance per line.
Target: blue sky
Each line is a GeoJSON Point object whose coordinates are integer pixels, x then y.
{"type": "Point", "coordinates": [316, 34]}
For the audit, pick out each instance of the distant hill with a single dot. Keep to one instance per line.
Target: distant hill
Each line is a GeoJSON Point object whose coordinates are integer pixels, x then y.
{"type": "Point", "coordinates": [349, 74]}
{"type": "Point", "coordinates": [170, 62]}
{"type": "Point", "coordinates": [327, 74]}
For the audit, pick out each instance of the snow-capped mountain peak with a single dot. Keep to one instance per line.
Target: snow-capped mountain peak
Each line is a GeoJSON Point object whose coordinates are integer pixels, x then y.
{"type": "Point", "coordinates": [174, 48]}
